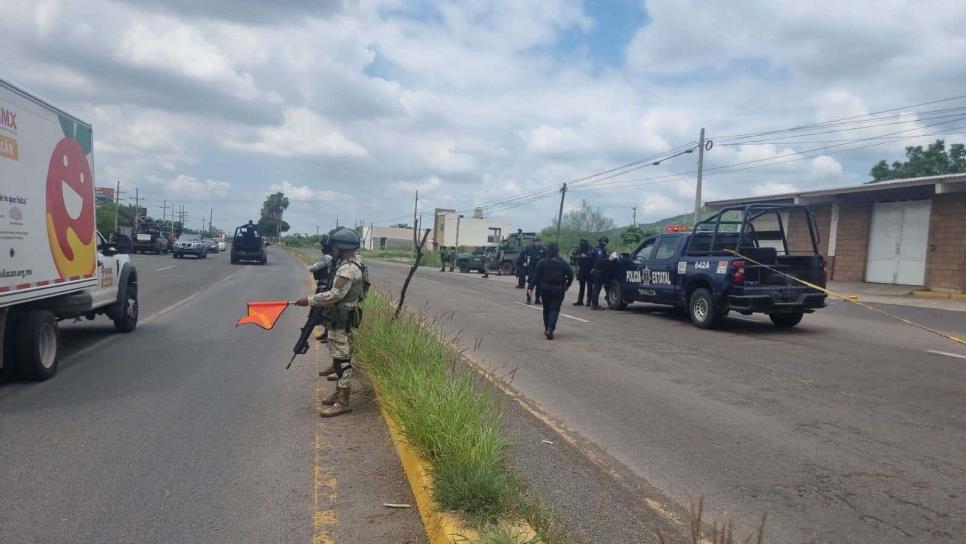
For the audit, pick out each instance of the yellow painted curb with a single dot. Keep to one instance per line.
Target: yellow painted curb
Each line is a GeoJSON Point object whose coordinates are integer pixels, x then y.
{"type": "Point", "coordinates": [931, 294]}
{"type": "Point", "coordinates": [441, 527]}
{"type": "Point", "coordinates": [958, 296]}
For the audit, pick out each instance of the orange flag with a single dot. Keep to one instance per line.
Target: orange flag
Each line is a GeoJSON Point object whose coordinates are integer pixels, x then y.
{"type": "Point", "coordinates": [264, 313]}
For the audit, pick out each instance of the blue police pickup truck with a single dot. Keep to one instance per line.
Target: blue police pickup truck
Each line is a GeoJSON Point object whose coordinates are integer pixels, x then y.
{"type": "Point", "coordinates": [739, 259]}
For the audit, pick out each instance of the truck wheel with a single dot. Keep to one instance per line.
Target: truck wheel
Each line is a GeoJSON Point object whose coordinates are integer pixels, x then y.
{"type": "Point", "coordinates": [785, 321]}
{"type": "Point", "coordinates": [506, 269]}
{"type": "Point", "coordinates": [464, 267]}
{"type": "Point", "coordinates": [234, 260]}
{"type": "Point", "coordinates": [127, 319]}
{"type": "Point", "coordinates": [615, 297]}
{"type": "Point", "coordinates": [703, 310]}
{"type": "Point", "coordinates": [38, 345]}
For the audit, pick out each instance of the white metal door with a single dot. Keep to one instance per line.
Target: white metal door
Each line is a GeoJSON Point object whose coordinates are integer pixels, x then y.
{"type": "Point", "coordinates": [897, 242]}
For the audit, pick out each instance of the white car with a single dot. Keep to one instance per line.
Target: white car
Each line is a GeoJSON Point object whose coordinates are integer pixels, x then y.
{"type": "Point", "coordinates": [221, 246]}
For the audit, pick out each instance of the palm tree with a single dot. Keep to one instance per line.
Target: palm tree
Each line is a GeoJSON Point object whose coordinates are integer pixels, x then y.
{"type": "Point", "coordinates": [273, 208]}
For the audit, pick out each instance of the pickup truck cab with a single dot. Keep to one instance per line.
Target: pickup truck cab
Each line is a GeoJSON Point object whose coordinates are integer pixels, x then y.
{"type": "Point", "coordinates": [741, 259]}
{"type": "Point", "coordinates": [473, 261]}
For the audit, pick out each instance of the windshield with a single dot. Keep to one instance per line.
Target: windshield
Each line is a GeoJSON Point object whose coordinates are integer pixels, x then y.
{"type": "Point", "coordinates": [190, 238]}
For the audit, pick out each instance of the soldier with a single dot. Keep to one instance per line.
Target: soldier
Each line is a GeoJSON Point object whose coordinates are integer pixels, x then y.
{"type": "Point", "coordinates": [443, 255]}
{"type": "Point", "coordinates": [452, 257]}
{"type": "Point", "coordinates": [597, 273]}
{"type": "Point", "coordinates": [322, 272]}
{"type": "Point", "coordinates": [349, 286]}
{"type": "Point", "coordinates": [484, 259]}
{"type": "Point", "coordinates": [553, 277]}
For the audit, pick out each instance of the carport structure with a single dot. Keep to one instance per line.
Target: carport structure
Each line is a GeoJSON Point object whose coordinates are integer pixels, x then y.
{"type": "Point", "coordinates": [904, 232]}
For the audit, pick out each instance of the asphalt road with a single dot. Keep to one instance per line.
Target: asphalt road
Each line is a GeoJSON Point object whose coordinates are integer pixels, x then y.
{"type": "Point", "coordinates": [850, 427]}
{"type": "Point", "coordinates": [190, 430]}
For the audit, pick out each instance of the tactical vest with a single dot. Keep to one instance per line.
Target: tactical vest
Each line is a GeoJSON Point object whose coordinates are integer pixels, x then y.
{"type": "Point", "coordinates": [347, 313]}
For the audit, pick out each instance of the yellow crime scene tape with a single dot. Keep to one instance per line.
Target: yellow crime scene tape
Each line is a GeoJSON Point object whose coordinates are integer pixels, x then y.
{"type": "Point", "coordinates": [852, 300]}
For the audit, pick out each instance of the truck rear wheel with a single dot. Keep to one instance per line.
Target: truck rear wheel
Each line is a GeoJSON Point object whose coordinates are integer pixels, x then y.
{"type": "Point", "coordinates": [702, 309]}
{"type": "Point", "coordinates": [506, 269]}
{"type": "Point", "coordinates": [464, 267]}
{"type": "Point", "coordinates": [615, 296]}
{"type": "Point", "coordinates": [786, 321]}
{"type": "Point", "coordinates": [38, 345]}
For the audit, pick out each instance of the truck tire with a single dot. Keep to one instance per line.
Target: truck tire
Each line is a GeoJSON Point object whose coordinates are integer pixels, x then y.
{"type": "Point", "coordinates": [38, 345]}
{"type": "Point", "coordinates": [702, 309]}
{"type": "Point", "coordinates": [234, 260]}
{"type": "Point", "coordinates": [506, 269]}
{"type": "Point", "coordinates": [464, 267]}
{"type": "Point", "coordinates": [786, 321]}
{"type": "Point", "coordinates": [615, 296]}
{"type": "Point", "coordinates": [126, 318]}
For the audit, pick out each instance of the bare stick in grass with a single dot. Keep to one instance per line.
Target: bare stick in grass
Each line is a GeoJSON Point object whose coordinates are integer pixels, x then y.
{"type": "Point", "coordinates": [412, 270]}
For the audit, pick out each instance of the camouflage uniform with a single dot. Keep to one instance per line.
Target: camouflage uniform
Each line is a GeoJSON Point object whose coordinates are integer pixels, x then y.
{"type": "Point", "coordinates": [347, 288]}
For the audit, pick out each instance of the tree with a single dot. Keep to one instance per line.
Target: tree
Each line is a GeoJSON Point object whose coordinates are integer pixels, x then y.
{"type": "Point", "coordinates": [583, 222]}
{"type": "Point", "coordinates": [932, 161]}
{"type": "Point", "coordinates": [272, 210]}
{"type": "Point", "coordinates": [267, 225]}
{"type": "Point", "coordinates": [632, 236]}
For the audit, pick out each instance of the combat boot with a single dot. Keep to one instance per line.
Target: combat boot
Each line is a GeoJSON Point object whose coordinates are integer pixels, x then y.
{"type": "Point", "coordinates": [331, 399]}
{"type": "Point", "coordinates": [331, 371]}
{"type": "Point", "coordinates": [341, 404]}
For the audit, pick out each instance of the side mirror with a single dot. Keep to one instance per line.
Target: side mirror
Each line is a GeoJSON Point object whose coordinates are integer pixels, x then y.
{"type": "Point", "coordinates": [108, 250]}
{"type": "Point", "coordinates": [625, 256]}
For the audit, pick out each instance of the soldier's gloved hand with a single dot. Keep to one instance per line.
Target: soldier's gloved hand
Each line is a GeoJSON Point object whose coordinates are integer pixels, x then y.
{"type": "Point", "coordinates": [304, 301]}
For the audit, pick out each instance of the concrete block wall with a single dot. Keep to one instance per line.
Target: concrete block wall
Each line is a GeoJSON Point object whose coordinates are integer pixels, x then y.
{"type": "Point", "coordinates": [852, 241]}
{"type": "Point", "coordinates": [946, 254]}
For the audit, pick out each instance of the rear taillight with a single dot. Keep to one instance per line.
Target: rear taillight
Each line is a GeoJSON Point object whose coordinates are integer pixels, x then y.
{"type": "Point", "coordinates": [738, 272]}
{"type": "Point", "coordinates": [824, 271]}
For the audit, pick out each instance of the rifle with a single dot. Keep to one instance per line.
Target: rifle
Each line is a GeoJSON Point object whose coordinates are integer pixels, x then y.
{"type": "Point", "coordinates": [302, 346]}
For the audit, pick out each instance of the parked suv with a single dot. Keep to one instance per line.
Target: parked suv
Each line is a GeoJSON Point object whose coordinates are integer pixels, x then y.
{"type": "Point", "coordinates": [190, 244]}
{"type": "Point", "coordinates": [248, 245]}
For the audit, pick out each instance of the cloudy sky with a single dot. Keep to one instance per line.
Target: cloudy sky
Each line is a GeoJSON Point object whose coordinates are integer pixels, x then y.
{"type": "Point", "coordinates": [349, 107]}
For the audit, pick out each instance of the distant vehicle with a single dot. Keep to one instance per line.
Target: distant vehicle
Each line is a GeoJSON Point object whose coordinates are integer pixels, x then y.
{"type": "Point", "coordinates": [190, 244]}
{"type": "Point", "coordinates": [150, 242]}
{"type": "Point", "coordinates": [221, 245]}
{"type": "Point", "coordinates": [510, 248]}
{"type": "Point", "coordinates": [212, 245]}
{"type": "Point", "coordinates": [473, 261]}
{"type": "Point", "coordinates": [700, 270]}
{"type": "Point", "coordinates": [248, 245]}
{"type": "Point", "coordinates": [58, 266]}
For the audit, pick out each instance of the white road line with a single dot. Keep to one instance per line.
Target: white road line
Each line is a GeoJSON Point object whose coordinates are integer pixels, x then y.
{"type": "Point", "coordinates": [562, 314]}
{"type": "Point", "coordinates": [166, 268]}
{"type": "Point", "coordinates": [427, 280]}
{"type": "Point", "coordinates": [956, 355]}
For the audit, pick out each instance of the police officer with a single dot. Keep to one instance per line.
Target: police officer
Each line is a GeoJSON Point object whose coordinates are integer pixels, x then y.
{"type": "Point", "coordinates": [552, 276]}
{"type": "Point", "coordinates": [535, 254]}
{"type": "Point", "coordinates": [598, 271]}
{"type": "Point", "coordinates": [521, 268]}
{"type": "Point", "coordinates": [582, 258]}
{"type": "Point", "coordinates": [349, 285]}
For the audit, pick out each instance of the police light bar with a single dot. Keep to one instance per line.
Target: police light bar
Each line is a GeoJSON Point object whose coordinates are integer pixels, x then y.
{"type": "Point", "coordinates": [676, 228]}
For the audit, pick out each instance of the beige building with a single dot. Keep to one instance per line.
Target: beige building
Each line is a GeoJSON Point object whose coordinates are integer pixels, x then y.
{"type": "Point", "coordinates": [451, 228]}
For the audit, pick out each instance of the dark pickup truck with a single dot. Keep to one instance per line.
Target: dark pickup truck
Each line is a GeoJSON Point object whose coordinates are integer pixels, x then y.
{"type": "Point", "coordinates": [248, 245]}
{"type": "Point", "coordinates": [712, 270]}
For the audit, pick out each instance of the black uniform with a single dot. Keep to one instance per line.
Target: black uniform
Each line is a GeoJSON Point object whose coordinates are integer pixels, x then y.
{"type": "Point", "coordinates": [535, 254]}
{"type": "Point", "coordinates": [521, 266]}
{"type": "Point", "coordinates": [598, 274]}
{"type": "Point", "coordinates": [582, 258]}
{"type": "Point", "coordinates": [552, 277]}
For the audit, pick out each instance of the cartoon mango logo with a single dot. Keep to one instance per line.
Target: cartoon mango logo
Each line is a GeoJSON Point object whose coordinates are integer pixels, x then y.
{"type": "Point", "coordinates": [70, 210]}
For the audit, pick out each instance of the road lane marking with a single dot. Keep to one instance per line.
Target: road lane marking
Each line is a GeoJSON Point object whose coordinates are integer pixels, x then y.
{"type": "Point", "coordinates": [166, 268]}
{"type": "Point", "coordinates": [956, 355]}
{"type": "Point", "coordinates": [562, 314]}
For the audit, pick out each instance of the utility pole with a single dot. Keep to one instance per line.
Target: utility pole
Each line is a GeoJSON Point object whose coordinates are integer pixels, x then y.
{"type": "Point", "coordinates": [117, 204]}
{"type": "Point", "coordinates": [211, 214]}
{"type": "Point", "coordinates": [634, 221]}
{"type": "Point", "coordinates": [697, 192]}
{"type": "Point", "coordinates": [137, 210]}
{"type": "Point", "coordinates": [372, 244]}
{"type": "Point", "coordinates": [563, 193]}
{"type": "Point", "coordinates": [415, 226]}
{"type": "Point", "coordinates": [458, 217]}
{"type": "Point", "coordinates": [164, 213]}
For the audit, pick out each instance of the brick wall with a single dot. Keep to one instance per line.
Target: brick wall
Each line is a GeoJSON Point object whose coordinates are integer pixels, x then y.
{"type": "Point", "coordinates": [946, 264]}
{"type": "Point", "coordinates": [797, 230]}
{"type": "Point", "coordinates": [852, 241]}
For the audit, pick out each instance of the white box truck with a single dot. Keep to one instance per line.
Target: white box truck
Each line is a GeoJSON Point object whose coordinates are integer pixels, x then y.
{"type": "Point", "coordinates": [54, 265]}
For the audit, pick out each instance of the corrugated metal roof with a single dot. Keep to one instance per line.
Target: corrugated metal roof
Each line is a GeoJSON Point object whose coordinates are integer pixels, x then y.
{"type": "Point", "coordinates": [864, 188]}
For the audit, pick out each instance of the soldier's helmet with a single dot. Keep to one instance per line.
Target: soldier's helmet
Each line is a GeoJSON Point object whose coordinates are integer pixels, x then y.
{"type": "Point", "coordinates": [345, 239]}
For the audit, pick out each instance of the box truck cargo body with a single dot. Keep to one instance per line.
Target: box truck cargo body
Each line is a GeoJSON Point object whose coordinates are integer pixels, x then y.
{"type": "Point", "coordinates": [54, 265]}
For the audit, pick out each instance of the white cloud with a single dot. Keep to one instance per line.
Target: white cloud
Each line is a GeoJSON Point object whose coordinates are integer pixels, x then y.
{"type": "Point", "coordinates": [303, 135]}
{"type": "Point", "coordinates": [305, 193]}
{"type": "Point", "coordinates": [198, 188]}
